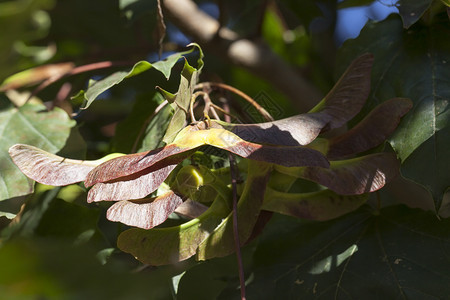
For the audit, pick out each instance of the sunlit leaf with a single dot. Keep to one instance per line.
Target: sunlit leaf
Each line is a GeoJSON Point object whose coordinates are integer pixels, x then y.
{"type": "Point", "coordinates": [161, 246]}
{"type": "Point", "coordinates": [352, 176]}
{"type": "Point", "coordinates": [373, 130]}
{"type": "Point", "coordinates": [221, 241]}
{"type": "Point", "coordinates": [341, 104]}
{"type": "Point", "coordinates": [144, 213]}
{"type": "Point", "coordinates": [322, 205]}
{"type": "Point", "coordinates": [30, 124]}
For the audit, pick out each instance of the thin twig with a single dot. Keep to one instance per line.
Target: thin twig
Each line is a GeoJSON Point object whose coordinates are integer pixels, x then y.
{"type": "Point", "coordinates": [147, 121]}
{"type": "Point", "coordinates": [237, 242]}
{"type": "Point", "coordinates": [243, 95]}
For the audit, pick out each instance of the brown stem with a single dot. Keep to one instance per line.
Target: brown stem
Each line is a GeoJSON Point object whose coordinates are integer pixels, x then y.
{"type": "Point", "coordinates": [240, 93]}
{"type": "Point", "coordinates": [237, 243]}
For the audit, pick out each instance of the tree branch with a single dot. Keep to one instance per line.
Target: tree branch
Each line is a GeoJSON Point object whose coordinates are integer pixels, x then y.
{"type": "Point", "coordinates": [254, 56]}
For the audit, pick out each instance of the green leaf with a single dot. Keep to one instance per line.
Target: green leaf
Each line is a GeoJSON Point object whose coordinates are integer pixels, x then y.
{"type": "Point", "coordinates": [364, 255]}
{"type": "Point", "coordinates": [221, 242]}
{"type": "Point", "coordinates": [413, 64]}
{"type": "Point", "coordinates": [30, 124]}
{"type": "Point", "coordinates": [412, 10]}
{"type": "Point", "coordinates": [181, 102]}
{"type": "Point", "coordinates": [323, 205]}
{"type": "Point", "coordinates": [168, 245]}
{"type": "Point", "coordinates": [96, 88]}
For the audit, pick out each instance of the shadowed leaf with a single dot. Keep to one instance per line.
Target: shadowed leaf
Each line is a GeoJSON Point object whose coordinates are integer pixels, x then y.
{"type": "Point", "coordinates": [353, 176]}
{"type": "Point", "coordinates": [373, 130]}
{"type": "Point", "coordinates": [367, 254]}
{"type": "Point", "coordinates": [144, 213]}
{"type": "Point", "coordinates": [160, 246]}
{"type": "Point", "coordinates": [322, 205]}
{"type": "Point", "coordinates": [221, 241]}
{"type": "Point", "coordinates": [51, 169]}
{"type": "Point", "coordinates": [29, 124]}
{"type": "Point", "coordinates": [341, 104]}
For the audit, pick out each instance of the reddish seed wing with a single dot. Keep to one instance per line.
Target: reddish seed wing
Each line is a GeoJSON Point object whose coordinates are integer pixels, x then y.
{"type": "Point", "coordinates": [145, 213]}
{"type": "Point", "coordinates": [48, 168]}
{"type": "Point", "coordinates": [135, 186]}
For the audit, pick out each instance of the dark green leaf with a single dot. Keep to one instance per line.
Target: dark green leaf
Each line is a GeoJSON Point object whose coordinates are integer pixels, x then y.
{"type": "Point", "coordinates": [413, 64]}
{"type": "Point", "coordinates": [364, 255]}
{"type": "Point", "coordinates": [412, 10]}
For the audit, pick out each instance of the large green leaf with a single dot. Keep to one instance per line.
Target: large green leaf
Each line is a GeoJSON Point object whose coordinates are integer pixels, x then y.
{"type": "Point", "coordinates": [30, 124]}
{"type": "Point", "coordinates": [413, 64]}
{"type": "Point", "coordinates": [398, 253]}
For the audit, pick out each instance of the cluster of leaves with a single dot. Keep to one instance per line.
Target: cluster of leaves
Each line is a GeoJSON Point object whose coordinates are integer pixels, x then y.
{"type": "Point", "coordinates": [181, 202]}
